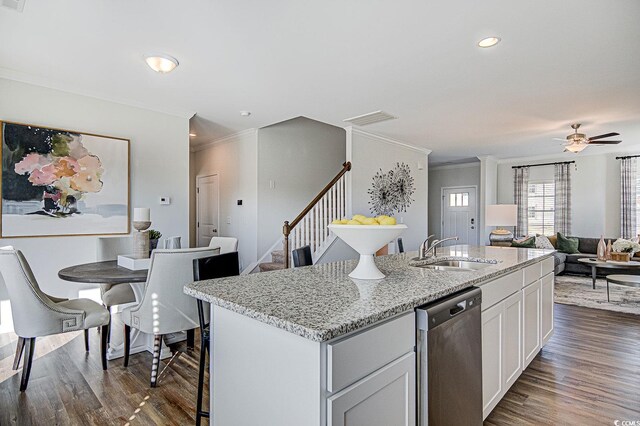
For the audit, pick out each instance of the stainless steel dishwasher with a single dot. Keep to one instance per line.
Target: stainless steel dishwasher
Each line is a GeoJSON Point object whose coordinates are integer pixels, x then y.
{"type": "Point", "coordinates": [449, 370]}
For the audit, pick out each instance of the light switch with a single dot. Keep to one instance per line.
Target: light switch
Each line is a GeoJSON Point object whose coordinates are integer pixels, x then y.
{"type": "Point", "coordinates": [272, 184]}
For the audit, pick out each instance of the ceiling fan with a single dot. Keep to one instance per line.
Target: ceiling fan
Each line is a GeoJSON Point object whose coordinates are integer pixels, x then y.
{"type": "Point", "coordinates": [576, 142]}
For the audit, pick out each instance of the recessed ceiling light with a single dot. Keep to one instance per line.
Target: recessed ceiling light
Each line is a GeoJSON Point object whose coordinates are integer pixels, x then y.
{"type": "Point", "coordinates": [245, 113]}
{"type": "Point", "coordinates": [161, 63]}
{"type": "Point", "coordinates": [489, 42]}
{"type": "Point", "coordinates": [192, 135]}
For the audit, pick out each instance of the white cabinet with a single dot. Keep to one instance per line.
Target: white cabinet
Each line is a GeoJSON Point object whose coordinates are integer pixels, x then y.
{"type": "Point", "coordinates": [512, 345]}
{"type": "Point", "coordinates": [492, 350]}
{"type": "Point", "coordinates": [516, 323]}
{"type": "Point", "coordinates": [501, 349]}
{"type": "Point", "coordinates": [546, 307]}
{"type": "Point", "coordinates": [531, 336]}
{"type": "Point", "coordinates": [385, 397]}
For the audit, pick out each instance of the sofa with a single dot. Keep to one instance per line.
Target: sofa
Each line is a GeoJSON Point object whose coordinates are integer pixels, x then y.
{"type": "Point", "coordinates": [588, 247]}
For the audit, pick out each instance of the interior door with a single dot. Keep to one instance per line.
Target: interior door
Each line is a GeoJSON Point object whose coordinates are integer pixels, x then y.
{"type": "Point", "coordinates": [207, 209]}
{"type": "Point", "coordinates": [459, 210]}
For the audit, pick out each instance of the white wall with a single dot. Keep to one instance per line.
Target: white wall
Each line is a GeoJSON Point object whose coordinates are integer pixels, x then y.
{"type": "Point", "coordinates": [595, 191]}
{"type": "Point", "coordinates": [234, 160]}
{"type": "Point", "coordinates": [296, 159]}
{"type": "Point", "coordinates": [369, 153]}
{"type": "Point", "coordinates": [159, 166]}
{"type": "Point", "coordinates": [448, 176]}
{"type": "Point", "coordinates": [488, 192]}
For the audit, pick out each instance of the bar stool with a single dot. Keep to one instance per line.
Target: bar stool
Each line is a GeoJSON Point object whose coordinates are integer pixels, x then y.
{"type": "Point", "coordinates": [207, 268]}
{"type": "Point", "coordinates": [302, 256]}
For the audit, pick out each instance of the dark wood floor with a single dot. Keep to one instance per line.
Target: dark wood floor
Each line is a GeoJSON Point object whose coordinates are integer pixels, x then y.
{"type": "Point", "coordinates": [589, 373]}
{"type": "Point", "coordinates": [68, 387]}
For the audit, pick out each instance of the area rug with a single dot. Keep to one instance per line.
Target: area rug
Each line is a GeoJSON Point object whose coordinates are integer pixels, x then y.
{"type": "Point", "coordinates": [576, 290]}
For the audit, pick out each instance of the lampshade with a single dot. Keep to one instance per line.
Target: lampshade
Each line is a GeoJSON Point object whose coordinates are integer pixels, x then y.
{"type": "Point", "coordinates": [501, 215]}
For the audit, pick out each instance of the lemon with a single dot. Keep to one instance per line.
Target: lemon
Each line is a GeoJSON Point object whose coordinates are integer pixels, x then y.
{"type": "Point", "coordinates": [337, 222]}
{"type": "Point", "coordinates": [358, 217]}
{"type": "Point", "coordinates": [388, 221]}
{"type": "Point", "coordinates": [369, 221]}
{"type": "Point", "coordinates": [353, 222]}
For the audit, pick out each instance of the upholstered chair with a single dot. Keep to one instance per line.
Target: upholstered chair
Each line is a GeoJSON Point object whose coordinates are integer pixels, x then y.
{"type": "Point", "coordinates": [226, 244]}
{"type": "Point", "coordinates": [108, 249]}
{"type": "Point", "coordinates": [164, 307]}
{"type": "Point", "coordinates": [36, 314]}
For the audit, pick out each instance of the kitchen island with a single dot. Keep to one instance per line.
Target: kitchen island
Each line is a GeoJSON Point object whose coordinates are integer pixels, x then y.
{"type": "Point", "coordinates": [311, 346]}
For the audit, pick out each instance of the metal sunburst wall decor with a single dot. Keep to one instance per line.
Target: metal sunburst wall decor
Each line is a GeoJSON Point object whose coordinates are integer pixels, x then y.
{"type": "Point", "coordinates": [402, 186]}
{"type": "Point", "coordinates": [392, 191]}
{"type": "Point", "coordinates": [381, 198]}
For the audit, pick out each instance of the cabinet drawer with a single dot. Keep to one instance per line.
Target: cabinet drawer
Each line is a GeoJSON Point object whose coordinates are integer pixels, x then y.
{"type": "Point", "coordinates": [547, 266]}
{"type": "Point", "coordinates": [531, 274]}
{"type": "Point", "coordinates": [356, 356]}
{"type": "Point", "coordinates": [500, 288]}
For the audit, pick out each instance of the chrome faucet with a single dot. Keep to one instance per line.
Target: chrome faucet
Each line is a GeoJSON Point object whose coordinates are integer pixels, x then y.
{"type": "Point", "coordinates": [432, 250]}
{"type": "Point", "coordinates": [422, 251]}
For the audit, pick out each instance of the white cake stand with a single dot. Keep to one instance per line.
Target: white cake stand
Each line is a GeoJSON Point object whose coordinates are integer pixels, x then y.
{"type": "Point", "coordinates": [366, 240]}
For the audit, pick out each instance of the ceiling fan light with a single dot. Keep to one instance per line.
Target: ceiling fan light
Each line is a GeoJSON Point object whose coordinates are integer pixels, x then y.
{"type": "Point", "coordinates": [161, 63]}
{"type": "Point", "coordinates": [575, 147]}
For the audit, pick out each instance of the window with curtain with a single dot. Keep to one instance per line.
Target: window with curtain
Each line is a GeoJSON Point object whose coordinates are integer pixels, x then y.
{"type": "Point", "coordinates": [541, 207]}
{"type": "Point", "coordinates": [638, 204]}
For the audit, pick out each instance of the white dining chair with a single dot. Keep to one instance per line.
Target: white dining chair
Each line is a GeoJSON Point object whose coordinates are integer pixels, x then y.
{"type": "Point", "coordinates": [36, 314]}
{"type": "Point", "coordinates": [108, 249]}
{"type": "Point", "coordinates": [164, 307]}
{"type": "Point", "coordinates": [226, 244]}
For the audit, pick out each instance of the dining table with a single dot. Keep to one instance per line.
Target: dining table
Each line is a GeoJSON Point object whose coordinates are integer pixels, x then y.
{"type": "Point", "coordinates": [109, 272]}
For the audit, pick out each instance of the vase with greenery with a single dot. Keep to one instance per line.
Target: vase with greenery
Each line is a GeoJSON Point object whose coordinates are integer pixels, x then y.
{"type": "Point", "coordinates": [154, 236]}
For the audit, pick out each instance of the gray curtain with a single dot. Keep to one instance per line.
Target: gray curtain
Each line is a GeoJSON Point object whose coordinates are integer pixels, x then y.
{"type": "Point", "coordinates": [562, 213]}
{"type": "Point", "coordinates": [628, 197]}
{"type": "Point", "coordinates": [520, 198]}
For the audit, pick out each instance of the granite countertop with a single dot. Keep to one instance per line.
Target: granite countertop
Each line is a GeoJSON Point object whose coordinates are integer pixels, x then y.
{"type": "Point", "coordinates": [321, 302]}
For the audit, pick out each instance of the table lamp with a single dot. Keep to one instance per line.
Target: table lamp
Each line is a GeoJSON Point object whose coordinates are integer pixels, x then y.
{"type": "Point", "coordinates": [141, 222]}
{"type": "Point", "coordinates": [501, 215]}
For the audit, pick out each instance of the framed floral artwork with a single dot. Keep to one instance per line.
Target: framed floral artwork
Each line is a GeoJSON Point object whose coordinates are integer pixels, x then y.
{"type": "Point", "coordinates": [60, 182]}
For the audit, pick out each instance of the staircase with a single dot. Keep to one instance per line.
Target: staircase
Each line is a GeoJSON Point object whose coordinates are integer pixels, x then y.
{"type": "Point", "coordinates": [310, 227]}
{"type": "Point", "coordinates": [277, 262]}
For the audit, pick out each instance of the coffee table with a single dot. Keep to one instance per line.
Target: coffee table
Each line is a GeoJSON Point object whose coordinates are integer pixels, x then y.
{"type": "Point", "coordinates": [628, 280]}
{"type": "Point", "coordinates": [595, 264]}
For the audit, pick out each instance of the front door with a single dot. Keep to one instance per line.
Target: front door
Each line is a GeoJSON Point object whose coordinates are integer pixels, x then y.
{"type": "Point", "coordinates": [459, 218]}
{"type": "Point", "coordinates": [207, 209]}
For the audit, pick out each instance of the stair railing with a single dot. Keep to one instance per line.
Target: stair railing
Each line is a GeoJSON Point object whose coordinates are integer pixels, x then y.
{"type": "Point", "coordinates": [328, 205]}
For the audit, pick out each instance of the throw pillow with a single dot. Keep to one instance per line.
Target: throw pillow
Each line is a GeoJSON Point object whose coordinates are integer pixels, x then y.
{"type": "Point", "coordinates": [543, 242]}
{"type": "Point", "coordinates": [553, 239]}
{"type": "Point", "coordinates": [526, 243]}
{"type": "Point", "coordinates": [567, 244]}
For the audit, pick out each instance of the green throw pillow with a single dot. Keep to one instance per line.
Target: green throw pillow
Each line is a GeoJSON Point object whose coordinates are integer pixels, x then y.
{"type": "Point", "coordinates": [528, 243]}
{"type": "Point", "coordinates": [567, 245]}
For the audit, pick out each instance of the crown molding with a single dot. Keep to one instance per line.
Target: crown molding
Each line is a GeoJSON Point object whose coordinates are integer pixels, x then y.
{"type": "Point", "coordinates": [228, 138]}
{"type": "Point", "coordinates": [46, 83]}
{"type": "Point", "coordinates": [388, 140]}
{"type": "Point", "coordinates": [454, 166]}
{"type": "Point", "coordinates": [567, 156]}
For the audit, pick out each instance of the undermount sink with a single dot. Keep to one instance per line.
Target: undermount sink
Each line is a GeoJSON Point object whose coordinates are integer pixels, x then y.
{"type": "Point", "coordinates": [454, 265]}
